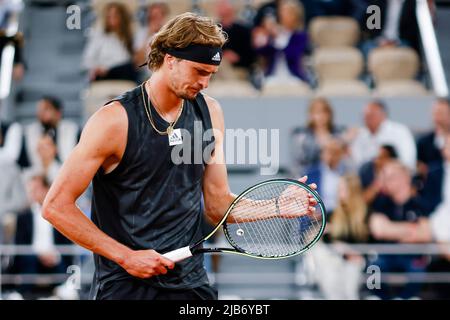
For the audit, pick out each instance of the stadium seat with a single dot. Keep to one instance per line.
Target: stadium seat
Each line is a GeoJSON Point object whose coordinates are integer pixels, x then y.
{"type": "Point", "coordinates": [231, 88]}
{"type": "Point", "coordinates": [101, 92]}
{"type": "Point", "coordinates": [228, 72]}
{"type": "Point", "coordinates": [336, 88]}
{"type": "Point", "coordinates": [338, 70]}
{"type": "Point", "coordinates": [406, 88]}
{"type": "Point", "coordinates": [394, 70]}
{"type": "Point", "coordinates": [334, 31]}
{"type": "Point", "coordinates": [297, 89]}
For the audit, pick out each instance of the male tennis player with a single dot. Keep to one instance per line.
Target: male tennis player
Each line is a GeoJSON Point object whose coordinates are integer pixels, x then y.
{"type": "Point", "coordinates": [144, 204]}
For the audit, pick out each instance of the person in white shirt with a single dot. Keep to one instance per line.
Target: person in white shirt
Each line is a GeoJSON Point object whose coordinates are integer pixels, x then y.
{"type": "Point", "coordinates": [12, 193]}
{"type": "Point", "coordinates": [10, 141]}
{"type": "Point", "coordinates": [378, 131]}
{"type": "Point", "coordinates": [34, 231]}
{"type": "Point", "coordinates": [109, 51]}
{"type": "Point", "coordinates": [50, 139]}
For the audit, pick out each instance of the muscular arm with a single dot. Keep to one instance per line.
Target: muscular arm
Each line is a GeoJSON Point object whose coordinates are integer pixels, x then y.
{"type": "Point", "coordinates": [102, 144]}
{"type": "Point", "coordinates": [216, 192]}
{"type": "Point", "coordinates": [407, 232]}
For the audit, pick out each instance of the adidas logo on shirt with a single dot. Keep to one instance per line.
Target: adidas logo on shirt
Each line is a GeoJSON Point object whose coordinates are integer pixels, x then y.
{"type": "Point", "coordinates": [216, 57]}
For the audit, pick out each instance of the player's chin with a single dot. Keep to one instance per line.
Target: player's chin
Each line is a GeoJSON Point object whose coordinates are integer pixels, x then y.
{"type": "Point", "coordinates": [189, 95]}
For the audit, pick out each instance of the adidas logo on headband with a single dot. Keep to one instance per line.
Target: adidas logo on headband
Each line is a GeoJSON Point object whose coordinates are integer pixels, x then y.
{"type": "Point", "coordinates": [216, 57]}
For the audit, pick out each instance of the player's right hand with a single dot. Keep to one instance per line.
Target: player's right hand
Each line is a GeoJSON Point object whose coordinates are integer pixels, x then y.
{"type": "Point", "coordinates": [146, 264]}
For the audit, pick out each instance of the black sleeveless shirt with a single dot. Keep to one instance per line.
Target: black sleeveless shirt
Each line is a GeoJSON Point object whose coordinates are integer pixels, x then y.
{"type": "Point", "coordinates": [150, 202]}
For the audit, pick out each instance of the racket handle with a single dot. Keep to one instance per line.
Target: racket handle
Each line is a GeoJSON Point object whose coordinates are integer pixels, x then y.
{"type": "Point", "coordinates": [178, 254]}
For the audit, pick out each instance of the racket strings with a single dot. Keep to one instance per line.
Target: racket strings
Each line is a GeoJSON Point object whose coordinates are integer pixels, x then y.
{"type": "Point", "coordinates": [259, 228]}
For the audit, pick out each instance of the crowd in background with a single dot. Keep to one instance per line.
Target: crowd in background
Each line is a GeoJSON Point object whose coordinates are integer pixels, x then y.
{"type": "Point", "coordinates": [379, 182]}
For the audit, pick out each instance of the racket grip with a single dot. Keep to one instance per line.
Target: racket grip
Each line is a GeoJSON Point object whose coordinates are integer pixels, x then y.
{"type": "Point", "coordinates": [178, 254]}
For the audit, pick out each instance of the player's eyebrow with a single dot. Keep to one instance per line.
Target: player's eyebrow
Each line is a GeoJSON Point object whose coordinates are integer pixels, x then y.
{"type": "Point", "coordinates": [203, 71]}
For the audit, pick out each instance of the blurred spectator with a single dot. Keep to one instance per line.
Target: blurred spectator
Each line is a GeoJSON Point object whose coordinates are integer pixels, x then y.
{"type": "Point", "coordinates": [401, 204]}
{"type": "Point", "coordinates": [434, 228]}
{"type": "Point", "coordinates": [34, 230]}
{"type": "Point", "coordinates": [17, 42]}
{"type": "Point", "coordinates": [268, 10]}
{"type": "Point", "coordinates": [370, 172]}
{"type": "Point", "coordinates": [314, 8]}
{"type": "Point", "coordinates": [398, 26]}
{"type": "Point", "coordinates": [379, 130]}
{"type": "Point", "coordinates": [351, 8]}
{"type": "Point", "coordinates": [157, 14]}
{"type": "Point", "coordinates": [349, 222]}
{"type": "Point", "coordinates": [327, 173]}
{"type": "Point", "coordinates": [430, 144]}
{"type": "Point", "coordinates": [50, 139]}
{"type": "Point", "coordinates": [308, 142]}
{"type": "Point", "coordinates": [8, 8]}
{"type": "Point", "coordinates": [109, 51]}
{"type": "Point", "coordinates": [238, 49]}
{"type": "Point", "coordinates": [11, 141]}
{"type": "Point", "coordinates": [339, 276]}
{"type": "Point", "coordinates": [283, 45]}
{"type": "Point", "coordinates": [12, 192]}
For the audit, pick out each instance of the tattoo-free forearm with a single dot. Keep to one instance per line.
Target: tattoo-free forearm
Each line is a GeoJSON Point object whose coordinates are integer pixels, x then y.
{"type": "Point", "coordinates": [71, 222]}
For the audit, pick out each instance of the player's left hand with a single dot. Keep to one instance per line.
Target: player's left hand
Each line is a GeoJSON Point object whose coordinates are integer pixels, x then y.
{"type": "Point", "coordinates": [311, 199]}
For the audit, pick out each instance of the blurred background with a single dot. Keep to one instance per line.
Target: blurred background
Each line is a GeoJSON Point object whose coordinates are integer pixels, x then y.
{"type": "Point", "coordinates": [356, 88]}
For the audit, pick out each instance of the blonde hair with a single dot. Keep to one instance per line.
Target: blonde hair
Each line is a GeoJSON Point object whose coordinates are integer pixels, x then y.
{"type": "Point", "coordinates": [349, 218]}
{"type": "Point", "coordinates": [296, 8]}
{"type": "Point", "coordinates": [181, 31]}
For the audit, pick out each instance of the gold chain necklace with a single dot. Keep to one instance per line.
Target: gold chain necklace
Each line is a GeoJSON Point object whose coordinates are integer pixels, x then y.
{"type": "Point", "coordinates": [148, 111]}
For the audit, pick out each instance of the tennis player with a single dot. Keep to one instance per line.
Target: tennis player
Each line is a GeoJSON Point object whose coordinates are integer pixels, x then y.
{"type": "Point", "coordinates": [143, 203]}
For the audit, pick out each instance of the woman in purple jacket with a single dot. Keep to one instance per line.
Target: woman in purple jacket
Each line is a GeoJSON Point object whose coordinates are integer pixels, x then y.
{"type": "Point", "coordinates": [283, 45]}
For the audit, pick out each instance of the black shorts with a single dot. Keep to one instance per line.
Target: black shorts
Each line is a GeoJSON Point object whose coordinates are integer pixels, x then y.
{"type": "Point", "coordinates": [135, 289]}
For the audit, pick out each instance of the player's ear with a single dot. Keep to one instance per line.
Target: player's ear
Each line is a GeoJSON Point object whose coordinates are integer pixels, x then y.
{"type": "Point", "coordinates": [170, 60]}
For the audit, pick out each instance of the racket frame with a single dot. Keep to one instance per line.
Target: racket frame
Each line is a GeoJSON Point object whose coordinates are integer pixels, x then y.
{"type": "Point", "coordinates": [236, 249]}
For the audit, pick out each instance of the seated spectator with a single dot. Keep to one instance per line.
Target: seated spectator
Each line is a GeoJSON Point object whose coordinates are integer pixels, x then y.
{"type": "Point", "coordinates": [340, 275]}
{"type": "Point", "coordinates": [314, 8]}
{"type": "Point", "coordinates": [327, 173]}
{"type": "Point", "coordinates": [401, 204]}
{"type": "Point", "coordinates": [35, 231]}
{"type": "Point", "coordinates": [379, 130]}
{"type": "Point", "coordinates": [11, 143]}
{"type": "Point", "coordinates": [267, 10]}
{"type": "Point", "coordinates": [351, 8]}
{"type": "Point", "coordinates": [307, 142]}
{"type": "Point", "coordinates": [109, 51]}
{"type": "Point", "coordinates": [349, 222]}
{"type": "Point", "coordinates": [398, 26]}
{"type": "Point", "coordinates": [156, 16]}
{"type": "Point", "coordinates": [8, 8]}
{"type": "Point", "coordinates": [50, 139]}
{"type": "Point", "coordinates": [283, 45]}
{"type": "Point", "coordinates": [238, 50]}
{"type": "Point", "coordinates": [12, 192]}
{"type": "Point", "coordinates": [370, 173]}
{"type": "Point", "coordinates": [18, 62]}
{"type": "Point", "coordinates": [430, 144]}
{"type": "Point", "coordinates": [435, 227]}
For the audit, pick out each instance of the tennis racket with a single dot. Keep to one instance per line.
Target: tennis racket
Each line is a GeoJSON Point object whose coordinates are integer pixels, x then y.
{"type": "Point", "coordinates": [273, 219]}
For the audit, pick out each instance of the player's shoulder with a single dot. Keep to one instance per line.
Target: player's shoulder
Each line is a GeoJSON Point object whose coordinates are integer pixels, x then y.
{"type": "Point", "coordinates": [111, 118]}
{"type": "Point", "coordinates": [214, 106]}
